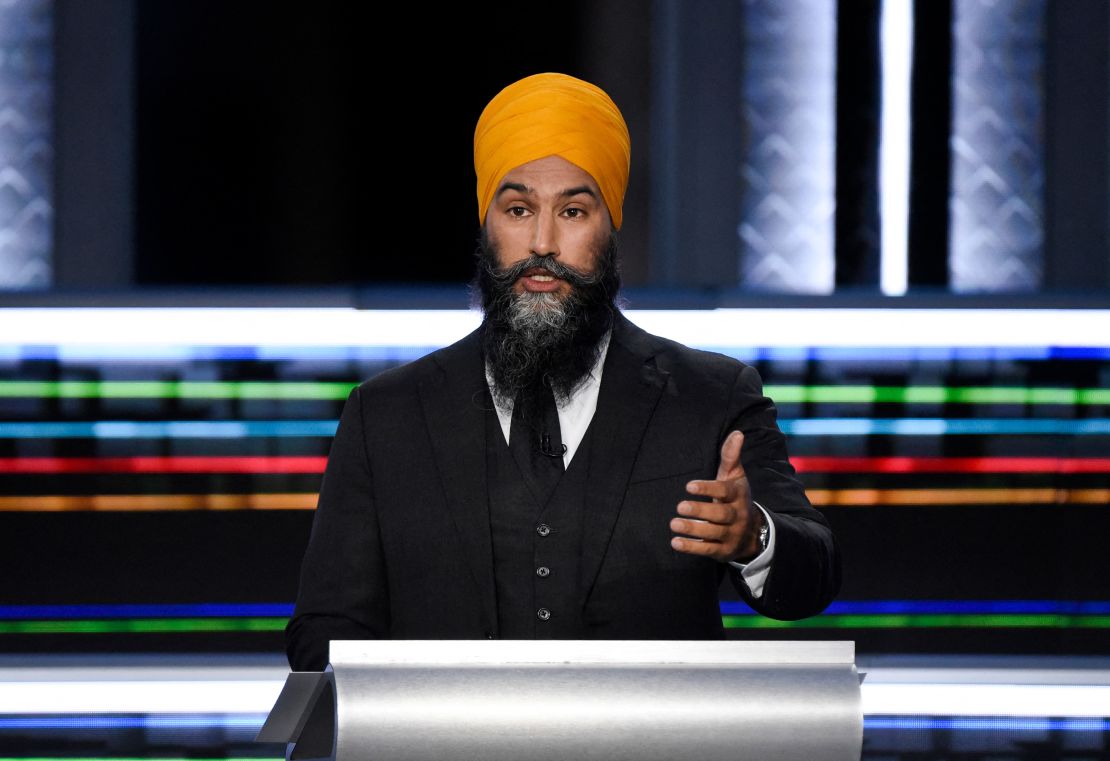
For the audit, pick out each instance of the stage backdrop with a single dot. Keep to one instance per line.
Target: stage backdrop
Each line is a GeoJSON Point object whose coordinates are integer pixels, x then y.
{"type": "Point", "coordinates": [160, 467]}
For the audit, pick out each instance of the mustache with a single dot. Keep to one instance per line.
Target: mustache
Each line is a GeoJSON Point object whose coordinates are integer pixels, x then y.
{"type": "Point", "coordinates": [505, 276]}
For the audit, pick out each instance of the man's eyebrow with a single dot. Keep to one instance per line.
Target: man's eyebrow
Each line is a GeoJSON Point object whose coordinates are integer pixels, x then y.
{"type": "Point", "coordinates": [521, 188]}
{"type": "Point", "coordinates": [579, 190]}
{"type": "Point", "coordinates": [512, 186]}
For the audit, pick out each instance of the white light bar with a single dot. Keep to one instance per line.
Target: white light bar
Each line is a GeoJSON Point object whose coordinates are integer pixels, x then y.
{"type": "Point", "coordinates": [894, 145]}
{"type": "Point", "coordinates": [1040, 700]}
{"type": "Point", "coordinates": [129, 692]}
{"type": "Point", "coordinates": [144, 696]}
{"type": "Point", "coordinates": [718, 328]}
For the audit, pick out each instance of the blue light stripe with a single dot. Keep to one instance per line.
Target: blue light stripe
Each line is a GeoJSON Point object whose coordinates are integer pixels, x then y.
{"type": "Point", "coordinates": [241, 429]}
{"type": "Point", "coordinates": [728, 608]}
{"type": "Point", "coordinates": [253, 722]}
{"type": "Point", "coordinates": [943, 427]}
{"type": "Point", "coordinates": [262, 353]}
{"type": "Point", "coordinates": [169, 429]}
{"type": "Point", "coordinates": [248, 721]}
{"type": "Point", "coordinates": [972, 607]}
{"type": "Point", "coordinates": [986, 723]}
{"type": "Point", "coordinates": [202, 610]}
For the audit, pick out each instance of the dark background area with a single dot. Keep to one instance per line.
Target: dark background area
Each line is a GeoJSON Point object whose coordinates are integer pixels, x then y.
{"type": "Point", "coordinates": [285, 143]}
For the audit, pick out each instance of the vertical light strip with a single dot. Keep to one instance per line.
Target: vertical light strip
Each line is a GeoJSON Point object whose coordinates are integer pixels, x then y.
{"type": "Point", "coordinates": [996, 235]}
{"type": "Point", "coordinates": [788, 169]}
{"type": "Point", "coordinates": [894, 145]}
{"type": "Point", "coordinates": [26, 143]}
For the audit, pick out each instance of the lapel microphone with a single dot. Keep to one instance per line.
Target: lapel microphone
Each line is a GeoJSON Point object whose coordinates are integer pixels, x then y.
{"type": "Point", "coordinates": [547, 449]}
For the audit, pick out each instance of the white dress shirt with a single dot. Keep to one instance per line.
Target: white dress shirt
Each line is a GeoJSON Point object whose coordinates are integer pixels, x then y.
{"type": "Point", "coordinates": [575, 415]}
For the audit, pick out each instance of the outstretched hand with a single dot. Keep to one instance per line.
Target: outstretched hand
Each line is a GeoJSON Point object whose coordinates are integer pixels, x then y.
{"type": "Point", "coordinates": [727, 528]}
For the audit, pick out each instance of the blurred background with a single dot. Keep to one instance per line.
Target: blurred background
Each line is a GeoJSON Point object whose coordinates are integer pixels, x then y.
{"type": "Point", "coordinates": [217, 217]}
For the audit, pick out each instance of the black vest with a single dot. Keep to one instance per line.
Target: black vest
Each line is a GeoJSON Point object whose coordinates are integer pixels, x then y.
{"type": "Point", "coordinates": [536, 544]}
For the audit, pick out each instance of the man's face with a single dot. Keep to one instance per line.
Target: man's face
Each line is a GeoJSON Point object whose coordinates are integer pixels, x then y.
{"type": "Point", "coordinates": [548, 207]}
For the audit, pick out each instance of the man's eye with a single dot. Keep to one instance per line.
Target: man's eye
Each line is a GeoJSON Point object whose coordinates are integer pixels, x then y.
{"type": "Point", "coordinates": [574, 213]}
{"type": "Point", "coordinates": [517, 211]}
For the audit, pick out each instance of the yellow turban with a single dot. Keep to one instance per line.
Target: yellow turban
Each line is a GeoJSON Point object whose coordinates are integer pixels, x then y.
{"type": "Point", "coordinates": [553, 115]}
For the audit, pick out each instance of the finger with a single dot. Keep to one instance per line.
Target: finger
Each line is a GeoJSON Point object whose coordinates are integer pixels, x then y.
{"type": "Point", "coordinates": [713, 532]}
{"type": "Point", "coordinates": [714, 512]}
{"type": "Point", "coordinates": [729, 466]}
{"type": "Point", "coordinates": [725, 491]}
{"type": "Point", "coordinates": [696, 547]}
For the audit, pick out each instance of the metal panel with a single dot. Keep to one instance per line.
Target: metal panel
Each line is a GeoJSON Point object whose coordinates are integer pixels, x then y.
{"type": "Point", "coordinates": [786, 235]}
{"type": "Point", "coordinates": [26, 148]}
{"type": "Point", "coordinates": [597, 700]}
{"type": "Point", "coordinates": [997, 205]}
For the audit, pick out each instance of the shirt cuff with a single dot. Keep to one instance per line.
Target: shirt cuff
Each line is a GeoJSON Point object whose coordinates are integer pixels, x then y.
{"type": "Point", "coordinates": [755, 571]}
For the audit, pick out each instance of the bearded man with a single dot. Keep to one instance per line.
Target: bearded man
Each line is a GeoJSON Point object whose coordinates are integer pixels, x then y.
{"type": "Point", "coordinates": [558, 473]}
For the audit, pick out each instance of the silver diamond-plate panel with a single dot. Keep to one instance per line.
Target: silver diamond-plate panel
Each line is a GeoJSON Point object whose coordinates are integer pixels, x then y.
{"type": "Point", "coordinates": [26, 143]}
{"type": "Point", "coordinates": [997, 211]}
{"type": "Point", "coordinates": [786, 230]}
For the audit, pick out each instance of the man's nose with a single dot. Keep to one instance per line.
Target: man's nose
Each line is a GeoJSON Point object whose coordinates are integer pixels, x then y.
{"type": "Point", "coordinates": [545, 238]}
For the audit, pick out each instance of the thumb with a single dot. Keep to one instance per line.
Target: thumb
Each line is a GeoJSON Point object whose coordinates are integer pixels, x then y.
{"type": "Point", "coordinates": [730, 467]}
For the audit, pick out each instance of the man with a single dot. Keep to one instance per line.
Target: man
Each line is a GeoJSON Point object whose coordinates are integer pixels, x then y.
{"type": "Point", "coordinates": [558, 473]}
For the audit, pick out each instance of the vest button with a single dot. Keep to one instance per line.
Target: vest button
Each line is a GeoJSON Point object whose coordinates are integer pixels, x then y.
{"type": "Point", "coordinates": [543, 614]}
{"type": "Point", "coordinates": [543, 529]}
{"type": "Point", "coordinates": [543, 571]}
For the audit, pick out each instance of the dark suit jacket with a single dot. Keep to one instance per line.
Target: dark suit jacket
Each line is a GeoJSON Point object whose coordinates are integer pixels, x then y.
{"type": "Point", "coordinates": [400, 544]}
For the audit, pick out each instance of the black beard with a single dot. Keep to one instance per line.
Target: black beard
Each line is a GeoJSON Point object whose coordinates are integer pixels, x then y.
{"type": "Point", "coordinates": [532, 336]}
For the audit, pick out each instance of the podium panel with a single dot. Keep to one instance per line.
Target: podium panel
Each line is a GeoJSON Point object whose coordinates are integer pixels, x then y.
{"type": "Point", "coordinates": [556, 700]}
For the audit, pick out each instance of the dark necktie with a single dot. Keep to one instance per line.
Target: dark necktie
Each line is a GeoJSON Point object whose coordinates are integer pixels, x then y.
{"type": "Point", "coordinates": [535, 439]}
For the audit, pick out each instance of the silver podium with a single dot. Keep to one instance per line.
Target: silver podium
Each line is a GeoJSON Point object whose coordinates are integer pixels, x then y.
{"type": "Point", "coordinates": [505, 700]}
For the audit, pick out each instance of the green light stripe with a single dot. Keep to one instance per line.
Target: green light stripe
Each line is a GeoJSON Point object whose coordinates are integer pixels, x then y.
{"type": "Point", "coordinates": [923, 621]}
{"type": "Point", "coordinates": [144, 626]}
{"type": "Point", "coordinates": [937, 395]}
{"type": "Point", "coordinates": [338, 391]}
{"type": "Point", "coordinates": [176, 390]}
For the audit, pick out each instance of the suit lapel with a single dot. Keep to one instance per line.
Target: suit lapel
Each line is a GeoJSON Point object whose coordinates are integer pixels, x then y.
{"type": "Point", "coordinates": [631, 385]}
{"type": "Point", "coordinates": [454, 395]}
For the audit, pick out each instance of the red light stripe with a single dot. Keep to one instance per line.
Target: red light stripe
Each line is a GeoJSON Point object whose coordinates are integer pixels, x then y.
{"type": "Point", "coordinates": [49, 465]}
{"type": "Point", "coordinates": [951, 464]}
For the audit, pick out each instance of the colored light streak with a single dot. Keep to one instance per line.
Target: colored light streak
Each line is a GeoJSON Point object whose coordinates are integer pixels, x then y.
{"type": "Point", "coordinates": [937, 497]}
{"type": "Point", "coordinates": [229, 429]}
{"type": "Point", "coordinates": [243, 390]}
{"type": "Point", "coordinates": [336, 391]}
{"type": "Point", "coordinates": [254, 722]}
{"type": "Point", "coordinates": [157, 502]}
{"type": "Point", "coordinates": [977, 607]}
{"type": "Point", "coordinates": [944, 427]}
{"type": "Point", "coordinates": [315, 465]}
{"type": "Point", "coordinates": [923, 621]}
{"type": "Point", "coordinates": [937, 395]}
{"type": "Point", "coordinates": [249, 722]}
{"type": "Point", "coordinates": [146, 626]}
{"type": "Point", "coordinates": [1055, 465]}
{"type": "Point", "coordinates": [840, 607]}
{"type": "Point", "coordinates": [171, 429]}
{"type": "Point", "coordinates": [251, 465]}
{"type": "Point", "coordinates": [985, 724]}
{"type": "Point", "coordinates": [307, 500]}
{"type": "Point", "coordinates": [176, 355]}
{"type": "Point", "coordinates": [825, 621]}
{"type": "Point", "coordinates": [184, 610]}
